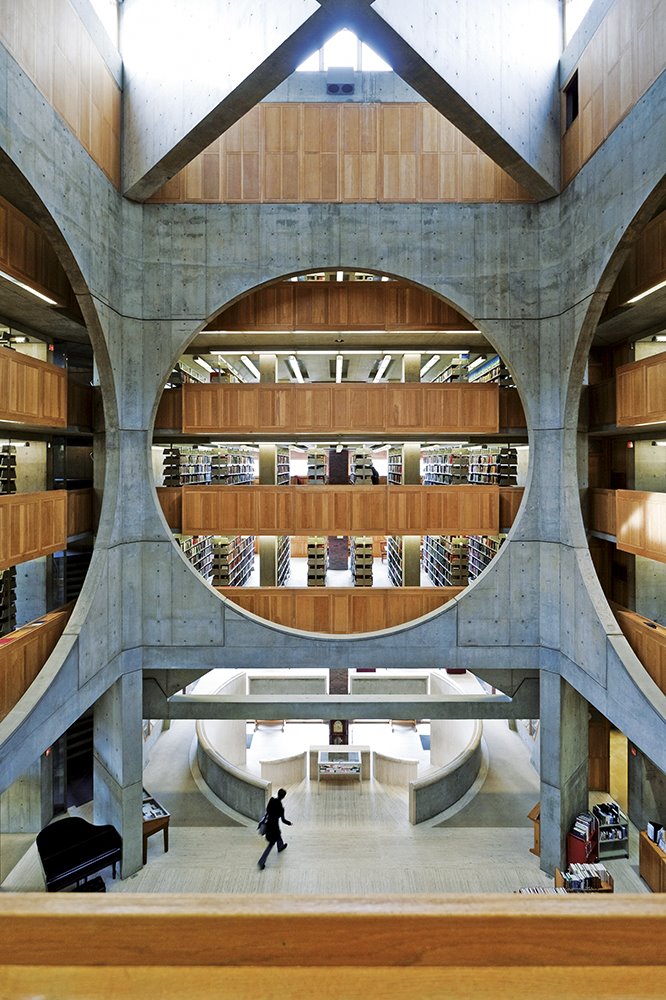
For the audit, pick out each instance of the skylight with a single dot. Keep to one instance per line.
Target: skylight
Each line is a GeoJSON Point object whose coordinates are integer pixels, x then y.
{"type": "Point", "coordinates": [574, 12]}
{"type": "Point", "coordinates": [344, 49]}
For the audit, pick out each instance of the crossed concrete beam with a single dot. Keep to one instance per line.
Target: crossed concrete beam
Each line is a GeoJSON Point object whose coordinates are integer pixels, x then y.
{"type": "Point", "coordinates": [193, 70]}
{"type": "Point", "coordinates": [524, 705]}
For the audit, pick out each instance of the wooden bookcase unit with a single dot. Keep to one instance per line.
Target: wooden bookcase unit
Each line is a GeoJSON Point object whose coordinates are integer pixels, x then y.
{"type": "Point", "coordinates": [651, 863]}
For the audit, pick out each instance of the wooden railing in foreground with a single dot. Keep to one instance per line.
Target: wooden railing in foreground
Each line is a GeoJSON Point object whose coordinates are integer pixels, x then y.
{"type": "Point", "coordinates": [648, 641]}
{"type": "Point", "coordinates": [340, 609]}
{"type": "Point", "coordinates": [299, 947]}
{"type": "Point", "coordinates": [24, 652]}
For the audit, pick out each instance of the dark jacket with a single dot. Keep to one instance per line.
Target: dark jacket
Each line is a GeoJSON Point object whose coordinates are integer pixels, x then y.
{"type": "Point", "coordinates": [275, 812]}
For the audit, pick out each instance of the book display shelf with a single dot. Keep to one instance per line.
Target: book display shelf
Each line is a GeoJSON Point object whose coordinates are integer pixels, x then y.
{"type": "Point", "coordinates": [199, 550]}
{"type": "Point", "coordinates": [339, 764]}
{"type": "Point", "coordinates": [283, 559]}
{"type": "Point", "coordinates": [7, 600]}
{"type": "Point", "coordinates": [588, 877]}
{"type": "Point", "coordinates": [195, 466]}
{"type": "Point", "coordinates": [498, 468]}
{"type": "Point", "coordinates": [361, 561]}
{"type": "Point", "coordinates": [317, 562]}
{"type": "Point", "coordinates": [445, 560]}
{"type": "Point", "coordinates": [394, 475]}
{"type": "Point", "coordinates": [394, 559]}
{"type": "Point", "coordinates": [492, 370]}
{"type": "Point", "coordinates": [455, 372]}
{"type": "Point", "coordinates": [613, 831]}
{"type": "Point", "coordinates": [361, 468]}
{"type": "Point", "coordinates": [652, 862]}
{"type": "Point", "coordinates": [282, 469]}
{"type": "Point", "coordinates": [233, 468]}
{"type": "Point", "coordinates": [232, 559]}
{"type": "Point", "coordinates": [481, 550]}
{"type": "Point", "coordinates": [582, 840]}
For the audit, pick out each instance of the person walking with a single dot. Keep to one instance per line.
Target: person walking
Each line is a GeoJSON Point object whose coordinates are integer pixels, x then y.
{"type": "Point", "coordinates": [274, 813]}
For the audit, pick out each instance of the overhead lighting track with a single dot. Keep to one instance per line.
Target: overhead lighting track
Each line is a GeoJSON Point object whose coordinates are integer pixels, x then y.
{"type": "Point", "coordinates": [28, 288]}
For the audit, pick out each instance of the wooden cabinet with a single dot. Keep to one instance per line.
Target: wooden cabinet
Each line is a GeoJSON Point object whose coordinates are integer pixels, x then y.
{"type": "Point", "coordinates": [651, 863]}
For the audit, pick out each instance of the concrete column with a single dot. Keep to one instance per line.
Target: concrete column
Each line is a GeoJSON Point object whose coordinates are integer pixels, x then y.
{"type": "Point", "coordinates": [268, 368]}
{"type": "Point", "coordinates": [411, 463]}
{"type": "Point", "coordinates": [564, 762]}
{"type": "Point", "coordinates": [411, 368]}
{"type": "Point", "coordinates": [267, 464]}
{"type": "Point", "coordinates": [411, 561]}
{"type": "Point", "coordinates": [31, 597]}
{"type": "Point", "coordinates": [268, 543]}
{"type": "Point", "coordinates": [26, 806]}
{"type": "Point", "coordinates": [118, 765]}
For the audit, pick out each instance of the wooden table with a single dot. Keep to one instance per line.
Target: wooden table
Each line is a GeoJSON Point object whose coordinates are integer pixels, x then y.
{"type": "Point", "coordinates": [155, 818]}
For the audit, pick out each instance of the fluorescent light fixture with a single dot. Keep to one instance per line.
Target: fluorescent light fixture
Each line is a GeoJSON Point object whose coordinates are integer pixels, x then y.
{"type": "Point", "coordinates": [251, 367]}
{"type": "Point", "coordinates": [306, 354]}
{"type": "Point", "coordinates": [293, 364]}
{"type": "Point", "coordinates": [204, 364]}
{"type": "Point", "coordinates": [339, 276]}
{"type": "Point", "coordinates": [27, 288]}
{"type": "Point", "coordinates": [338, 368]}
{"type": "Point", "coordinates": [660, 444]}
{"type": "Point", "coordinates": [20, 340]}
{"type": "Point", "coordinates": [234, 371]}
{"type": "Point", "coordinates": [660, 338]}
{"type": "Point", "coordinates": [385, 362]}
{"type": "Point", "coordinates": [428, 365]}
{"type": "Point", "coordinates": [476, 363]}
{"type": "Point", "coordinates": [648, 291]}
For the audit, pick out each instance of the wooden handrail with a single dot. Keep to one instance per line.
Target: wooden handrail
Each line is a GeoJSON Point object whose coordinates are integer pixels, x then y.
{"type": "Point", "coordinates": [454, 945]}
{"type": "Point", "coordinates": [24, 652]}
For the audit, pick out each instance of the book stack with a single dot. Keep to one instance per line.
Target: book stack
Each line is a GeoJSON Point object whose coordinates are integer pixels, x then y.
{"type": "Point", "coordinates": [7, 600]}
{"type": "Point", "coordinates": [317, 467]}
{"type": "Point", "coordinates": [541, 890]}
{"type": "Point", "coordinates": [361, 468]}
{"type": "Point", "coordinates": [361, 561]}
{"type": "Point", "coordinates": [7, 469]}
{"type": "Point", "coordinates": [232, 560]}
{"type": "Point", "coordinates": [587, 878]}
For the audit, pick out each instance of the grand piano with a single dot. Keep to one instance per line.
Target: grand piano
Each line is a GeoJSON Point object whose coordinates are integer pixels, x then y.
{"type": "Point", "coordinates": [71, 849]}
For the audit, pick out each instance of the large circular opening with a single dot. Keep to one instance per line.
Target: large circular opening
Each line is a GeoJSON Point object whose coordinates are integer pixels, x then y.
{"type": "Point", "coordinates": [346, 435]}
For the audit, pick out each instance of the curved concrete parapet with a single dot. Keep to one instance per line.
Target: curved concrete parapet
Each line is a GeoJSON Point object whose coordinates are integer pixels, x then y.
{"type": "Point", "coordinates": [236, 787]}
{"type": "Point", "coordinates": [395, 770]}
{"type": "Point", "coordinates": [439, 789]}
{"type": "Point", "coordinates": [285, 770]}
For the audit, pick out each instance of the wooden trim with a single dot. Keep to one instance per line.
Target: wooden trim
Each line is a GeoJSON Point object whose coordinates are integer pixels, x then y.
{"type": "Point", "coordinates": [216, 408]}
{"type": "Point", "coordinates": [34, 392]}
{"type": "Point", "coordinates": [24, 652]}
{"type": "Point", "coordinates": [510, 499]}
{"type": "Point", "coordinates": [641, 392]}
{"type": "Point", "coordinates": [336, 510]}
{"type": "Point", "coordinates": [601, 403]}
{"type": "Point", "coordinates": [640, 519]}
{"type": "Point", "coordinates": [80, 511]}
{"type": "Point", "coordinates": [340, 610]}
{"type": "Point", "coordinates": [171, 498]}
{"type": "Point", "coordinates": [644, 266]}
{"type": "Point", "coordinates": [648, 641]}
{"type": "Point", "coordinates": [169, 414]}
{"type": "Point", "coordinates": [32, 525]}
{"type": "Point", "coordinates": [601, 516]}
{"type": "Point", "coordinates": [79, 405]}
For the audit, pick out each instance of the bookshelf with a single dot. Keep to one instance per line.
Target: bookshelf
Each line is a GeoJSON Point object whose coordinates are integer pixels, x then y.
{"type": "Point", "coordinates": [233, 468]}
{"type": "Point", "coordinates": [498, 468]}
{"type": "Point", "coordinates": [186, 467]}
{"type": "Point", "coordinates": [394, 559]}
{"type": "Point", "coordinates": [283, 559]}
{"type": "Point", "coordinates": [317, 467]}
{"type": "Point", "coordinates": [612, 831]}
{"type": "Point", "coordinates": [7, 469]}
{"type": "Point", "coordinates": [445, 560]}
{"type": "Point", "coordinates": [232, 559]}
{"type": "Point", "coordinates": [198, 549]}
{"type": "Point", "coordinates": [481, 550]}
{"type": "Point", "coordinates": [361, 468]}
{"type": "Point", "coordinates": [394, 476]}
{"type": "Point", "coordinates": [282, 471]}
{"type": "Point", "coordinates": [361, 561]}
{"type": "Point", "coordinates": [651, 863]}
{"type": "Point", "coordinates": [492, 370]}
{"type": "Point", "coordinates": [444, 468]}
{"type": "Point", "coordinates": [7, 600]}
{"type": "Point", "coordinates": [317, 560]}
{"type": "Point", "coordinates": [455, 372]}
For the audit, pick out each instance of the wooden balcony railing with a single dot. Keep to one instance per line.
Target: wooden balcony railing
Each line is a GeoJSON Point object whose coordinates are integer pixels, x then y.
{"type": "Point", "coordinates": [641, 392]}
{"type": "Point", "coordinates": [24, 652]}
{"type": "Point", "coordinates": [32, 525]}
{"type": "Point", "coordinates": [640, 519]}
{"type": "Point", "coordinates": [80, 513]}
{"type": "Point", "coordinates": [340, 610]}
{"type": "Point", "coordinates": [33, 391]}
{"type": "Point", "coordinates": [601, 510]}
{"type": "Point", "coordinates": [648, 641]}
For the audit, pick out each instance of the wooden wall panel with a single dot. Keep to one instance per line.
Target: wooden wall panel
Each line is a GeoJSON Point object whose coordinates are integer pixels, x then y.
{"type": "Point", "coordinates": [34, 392]}
{"type": "Point", "coordinates": [50, 43]}
{"type": "Point", "coordinates": [640, 519]}
{"type": "Point", "coordinates": [332, 305]}
{"type": "Point", "coordinates": [641, 392]}
{"type": "Point", "coordinates": [644, 267]}
{"type": "Point", "coordinates": [328, 152]}
{"type": "Point", "coordinates": [24, 652]}
{"type": "Point", "coordinates": [80, 511]}
{"type": "Point", "coordinates": [32, 525]}
{"type": "Point", "coordinates": [511, 412]}
{"type": "Point", "coordinates": [601, 510]}
{"type": "Point", "coordinates": [340, 610]}
{"type": "Point", "coordinates": [79, 404]}
{"type": "Point", "coordinates": [601, 403]}
{"type": "Point", "coordinates": [171, 502]}
{"type": "Point", "coordinates": [648, 641]}
{"type": "Point", "coordinates": [510, 499]}
{"type": "Point", "coordinates": [337, 510]}
{"type": "Point", "coordinates": [229, 409]}
{"type": "Point", "coordinates": [621, 61]}
{"type": "Point", "coordinates": [26, 254]}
